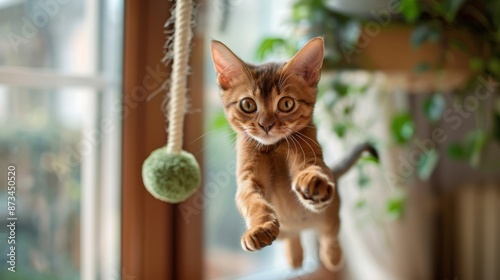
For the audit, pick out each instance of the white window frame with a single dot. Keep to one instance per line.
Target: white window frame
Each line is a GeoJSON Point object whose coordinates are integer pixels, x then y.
{"type": "Point", "coordinates": [101, 168]}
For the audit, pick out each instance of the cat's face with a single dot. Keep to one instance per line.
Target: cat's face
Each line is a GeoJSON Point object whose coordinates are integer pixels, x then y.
{"type": "Point", "coordinates": [271, 101]}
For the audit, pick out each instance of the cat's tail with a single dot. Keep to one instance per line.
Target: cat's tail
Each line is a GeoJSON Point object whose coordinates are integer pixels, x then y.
{"type": "Point", "coordinates": [342, 167]}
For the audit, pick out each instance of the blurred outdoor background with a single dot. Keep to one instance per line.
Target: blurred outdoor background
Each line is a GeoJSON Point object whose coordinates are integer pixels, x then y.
{"type": "Point", "coordinates": [419, 79]}
{"type": "Point", "coordinates": [60, 69]}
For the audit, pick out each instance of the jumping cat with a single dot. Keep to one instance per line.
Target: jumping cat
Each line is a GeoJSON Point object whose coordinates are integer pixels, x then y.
{"type": "Point", "coordinates": [284, 186]}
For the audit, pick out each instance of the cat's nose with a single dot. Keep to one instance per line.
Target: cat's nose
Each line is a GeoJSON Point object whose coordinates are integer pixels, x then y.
{"type": "Point", "coordinates": [266, 127]}
{"type": "Point", "coordinates": [266, 124]}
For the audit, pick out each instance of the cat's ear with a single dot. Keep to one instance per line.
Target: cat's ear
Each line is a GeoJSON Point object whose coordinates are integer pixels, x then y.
{"type": "Point", "coordinates": [307, 62]}
{"type": "Point", "coordinates": [227, 65]}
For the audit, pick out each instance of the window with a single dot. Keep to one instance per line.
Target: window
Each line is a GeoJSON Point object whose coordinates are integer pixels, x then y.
{"type": "Point", "coordinates": [58, 131]}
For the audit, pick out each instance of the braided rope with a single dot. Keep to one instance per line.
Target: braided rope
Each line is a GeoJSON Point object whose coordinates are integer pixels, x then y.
{"type": "Point", "coordinates": [177, 106]}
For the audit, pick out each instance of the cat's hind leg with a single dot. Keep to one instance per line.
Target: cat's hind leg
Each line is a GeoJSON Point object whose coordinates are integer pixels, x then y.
{"type": "Point", "coordinates": [330, 252]}
{"type": "Point", "coordinates": [293, 251]}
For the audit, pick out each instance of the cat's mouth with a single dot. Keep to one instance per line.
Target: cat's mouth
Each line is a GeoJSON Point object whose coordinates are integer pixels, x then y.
{"type": "Point", "coordinates": [267, 139]}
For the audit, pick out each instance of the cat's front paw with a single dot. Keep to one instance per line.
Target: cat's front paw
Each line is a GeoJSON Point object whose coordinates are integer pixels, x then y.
{"type": "Point", "coordinates": [261, 236]}
{"type": "Point", "coordinates": [314, 189]}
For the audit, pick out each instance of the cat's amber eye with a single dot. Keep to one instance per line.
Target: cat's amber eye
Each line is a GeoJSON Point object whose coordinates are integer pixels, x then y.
{"type": "Point", "coordinates": [248, 105]}
{"type": "Point", "coordinates": [286, 104]}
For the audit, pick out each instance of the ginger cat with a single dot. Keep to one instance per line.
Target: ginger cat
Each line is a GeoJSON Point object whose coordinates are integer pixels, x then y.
{"type": "Point", "coordinates": [284, 186]}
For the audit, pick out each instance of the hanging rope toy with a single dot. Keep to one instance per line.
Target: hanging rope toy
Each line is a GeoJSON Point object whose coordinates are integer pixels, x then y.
{"type": "Point", "coordinates": [169, 173]}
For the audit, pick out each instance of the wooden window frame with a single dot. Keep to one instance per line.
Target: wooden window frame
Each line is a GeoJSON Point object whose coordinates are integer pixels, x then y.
{"type": "Point", "coordinates": [156, 243]}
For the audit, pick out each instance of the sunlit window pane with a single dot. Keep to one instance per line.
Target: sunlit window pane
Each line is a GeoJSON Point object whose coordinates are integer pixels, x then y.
{"type": "Point", "coordinates": [41, 134]}
{"type": "Point", "coordinates": [55, 34]}
{"type": "Point", "coordinates": [60, 65]}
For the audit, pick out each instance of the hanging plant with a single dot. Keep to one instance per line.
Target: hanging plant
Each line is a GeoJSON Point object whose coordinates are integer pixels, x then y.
{"type": "Point", "coordinates": [461, 34]}
{"type": "Point", "coordinates": [468, 29]}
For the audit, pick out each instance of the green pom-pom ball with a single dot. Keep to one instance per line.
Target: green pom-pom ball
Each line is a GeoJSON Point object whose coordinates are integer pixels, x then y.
{"type": "Point", "coordinates": [171, 177]}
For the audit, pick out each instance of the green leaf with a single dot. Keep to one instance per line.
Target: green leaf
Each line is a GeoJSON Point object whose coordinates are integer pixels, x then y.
{"type": "Point", "coordinates": [395, 207]}
{"type": "Point", "coordinates": [472, 148]}
{"type": "Point", "coordinates": [426, 164]}
{"type": "Point", "coordinates": [474, 143]}
{"type": "Point", "coordinates": [419, 35]}
{"type": "Point", "coordinates": [421, 67]}
{"type": "Point", "coordinates": [476, 64]}
{"type": "Point", "coordinates": [219, 121]}
{"type": "Point", "coordinates": [362, 89]}
{"type": "Point", "coordinates": [457, 151]}
{"type": "Point", "coordinates": [363, 179]}
{"type": "Point", "coordinates": [494, 66]}
{"type": "Point", "coordinates": [369, 159]}
{"type": "Point", "coordinates": [300, 11]}
{"type": "Point", "coordinates": [451, 7]}
{"type": "Point", "coordinates": [434, 107]}
{"type": "Point", "coordinates": [340, 129]}
{"type": "Point", "coordinates": [424, 33]}
{"type": "Point", "coordinates": [348, 109]}
{"type": "Point", "coordinates": [411, 10]}
{"type": "Point", "coordinates": [268, 45]}
{"type": "Point", "coordinates": [340, 88]}
{"type": "Point", "coordinates": [360, 204]}
{"type": "Point", "coordinates": [402, 127]}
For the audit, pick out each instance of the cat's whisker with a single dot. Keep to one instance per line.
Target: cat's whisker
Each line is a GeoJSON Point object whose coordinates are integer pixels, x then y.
{"type": "Point", "coordinates": [247, 134]}
{"type": "Point", "coordinates": [312, 150]}
{"type": "Point", "coordinates": [310, 126]}
{"type": "Point", "coordinates": [298, 143]}
{"type": "Point", "coordinates": [208, 132]}
{"type": "Point", "coordinates": [312, 140]}
{"type": "Point", "coordinates": [296, 151]}
{"type": "Point", "coordinates": [288, 145]}
{"type": "Point", "coordinates": [298, 132]}
{"type": "Point", "coordinates": [226, 136]}
{"type": "Point", "coordinates": [212, 131]}
{"type": "Point", "coordinates": [259, 146]}
{"type": "Point", "coordinates": [232, 133]}
{"type": "Point", "coordinates": [234, 146]}
{"type": "Point", "coordinates": [256, 147]}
